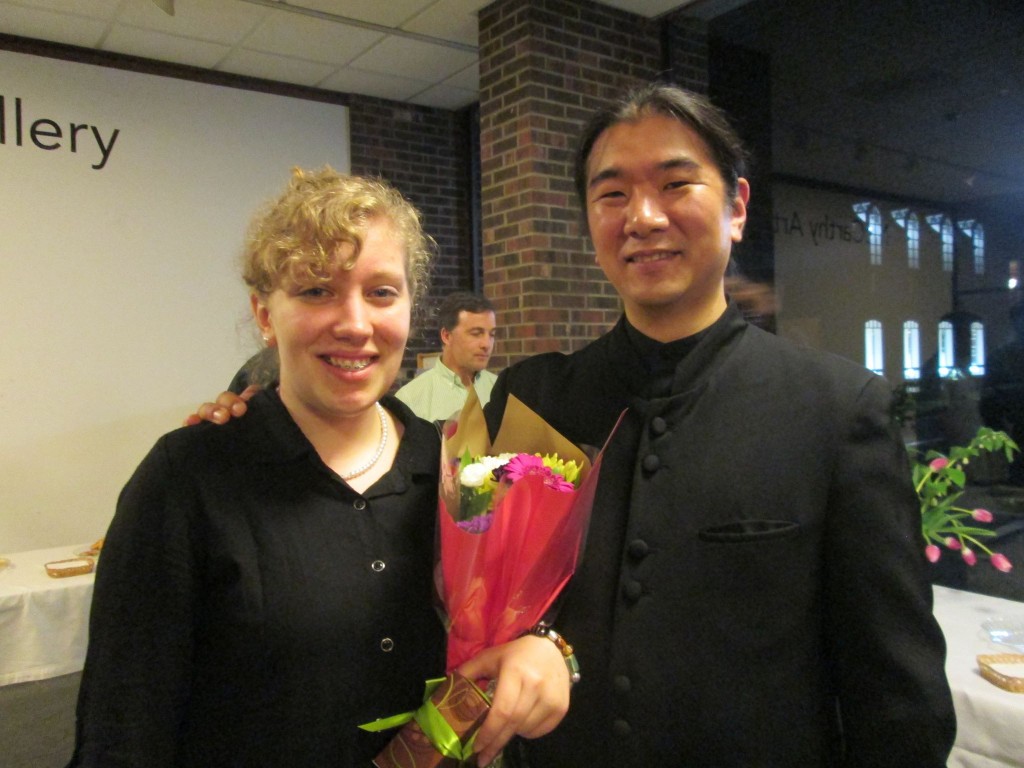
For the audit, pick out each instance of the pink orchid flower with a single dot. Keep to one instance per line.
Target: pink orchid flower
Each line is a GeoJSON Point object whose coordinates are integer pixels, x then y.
{"type": "Point", "coordinates": [933, 553]}
{"type": "Point", "coordinates": [969, 557]}
{"type": "Point", "coordinates": [982, 515]}
{"type": "Point", "coordinates": [938, 464]}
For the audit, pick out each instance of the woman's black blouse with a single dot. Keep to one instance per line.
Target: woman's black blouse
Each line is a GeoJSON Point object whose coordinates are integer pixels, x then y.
{"type": "Point", "coordinates": [251, 609]}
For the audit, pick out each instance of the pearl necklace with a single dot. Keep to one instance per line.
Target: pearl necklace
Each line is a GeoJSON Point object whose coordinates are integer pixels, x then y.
{"type": "Point", "coordinates": [380, 448]}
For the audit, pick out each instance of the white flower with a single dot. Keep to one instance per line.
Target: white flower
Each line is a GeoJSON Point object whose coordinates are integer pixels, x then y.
{"type": "Point", "coordinates": [493, 462]}
{"type": "Point", "coordinates": [473, 475]}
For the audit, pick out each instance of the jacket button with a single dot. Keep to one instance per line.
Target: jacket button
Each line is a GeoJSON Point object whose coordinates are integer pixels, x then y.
{"type": "Point", "coordinates": [621, 728]}
{"type": "Point", "coordinates": [650, 462]}
{"type": "Point", "coordinates": [387, 645]}
{"type": "Point", "coordinates": [638, 549]}
{"type": "Point", "coordinates": [378, 566]}
{"type": "Point", "coordinates": [632, 590]}
{"type": "Point", "coordinates": [658, 425]}
{"type": "Point", "coordinates": [359, 504]}
{"type": "Point", "coordinates": [622, 684]}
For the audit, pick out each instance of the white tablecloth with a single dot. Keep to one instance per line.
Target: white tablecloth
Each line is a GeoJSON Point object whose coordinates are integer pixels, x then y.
{"type": "Point", "coordinates": [44, 622]}
{"type": "Point", "coordinates": [44, 626]}
{"type": "Point", "coordinates": [990, 721]}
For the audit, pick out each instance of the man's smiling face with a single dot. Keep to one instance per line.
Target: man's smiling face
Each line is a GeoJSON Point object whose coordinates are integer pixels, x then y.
{"type": "Point", "coordinates": [662, 223]}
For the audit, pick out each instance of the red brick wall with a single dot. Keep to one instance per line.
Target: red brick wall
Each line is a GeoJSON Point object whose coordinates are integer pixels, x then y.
{"type": "Point", "coordinates": [545, 65]}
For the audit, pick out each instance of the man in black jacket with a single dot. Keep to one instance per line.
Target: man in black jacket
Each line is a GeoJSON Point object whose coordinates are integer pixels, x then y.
{"type": "Point", "coordinates": [753, 591]}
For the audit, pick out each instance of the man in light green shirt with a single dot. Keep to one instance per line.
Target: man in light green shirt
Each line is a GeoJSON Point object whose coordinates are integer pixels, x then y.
{"type": "Point", "coordinates": [467, 337]}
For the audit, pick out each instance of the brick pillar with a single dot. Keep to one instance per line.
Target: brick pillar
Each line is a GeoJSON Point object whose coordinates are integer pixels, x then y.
{"type": "Point", "coordinates": [545, 65]}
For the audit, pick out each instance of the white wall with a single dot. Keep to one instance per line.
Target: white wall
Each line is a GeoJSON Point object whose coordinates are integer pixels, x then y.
{"type": "Point", "coordinates": [120, 299]}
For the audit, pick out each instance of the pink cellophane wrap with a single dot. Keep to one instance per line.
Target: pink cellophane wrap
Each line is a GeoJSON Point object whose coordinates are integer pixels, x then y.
{"type": "Point", "coordinates": [496, 585]}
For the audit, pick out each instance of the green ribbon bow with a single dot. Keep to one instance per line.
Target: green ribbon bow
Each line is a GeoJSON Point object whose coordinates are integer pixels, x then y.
{"type": "Point", "coordinates": [433, 725]}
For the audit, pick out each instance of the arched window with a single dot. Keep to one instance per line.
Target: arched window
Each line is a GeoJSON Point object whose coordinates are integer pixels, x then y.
{"type": "Point", "coordinates": [977, 349]}
{"type": "Point", "coordinates": [912, 225]}
{"type": "Point", "coordinates": [911, 350]}
{"type": "Point", "coordinates": [946, 359]}
{"type": "Point", "coordinates": [976, 231]}
{"type": "Point", "coordinates": [868, 213]}
{"type": "Point", "coordinates": [941, 224]}
{"type": "Point", "coordinates": [978, 241]}
{"type": "Point", "coordinates": [874, 357]}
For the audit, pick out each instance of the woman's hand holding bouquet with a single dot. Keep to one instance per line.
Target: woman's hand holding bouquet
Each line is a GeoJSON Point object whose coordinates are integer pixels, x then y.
{"type": "Point", "coordinates": [512, 519]}
{"type": "Point", "coordinates": [531, 693]}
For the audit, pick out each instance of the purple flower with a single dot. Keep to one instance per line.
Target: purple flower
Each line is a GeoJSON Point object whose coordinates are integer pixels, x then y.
{"type": "Point", "coordinates": [982, 515]}
{"type": "Point", "coordinates": [478, 524]}
{"type": "Point", "coordinates": [933, 553]}
{"type": "Point", "coordinates": [1001, 562]}
{"type": "Point", "coordinates": [969, 557]}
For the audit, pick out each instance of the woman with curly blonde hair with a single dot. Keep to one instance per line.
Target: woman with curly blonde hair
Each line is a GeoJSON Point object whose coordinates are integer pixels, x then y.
{"type": "Point", "coordinates": [266, 585]}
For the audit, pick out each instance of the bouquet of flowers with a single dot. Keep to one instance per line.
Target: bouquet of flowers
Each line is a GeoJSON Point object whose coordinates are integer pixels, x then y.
{"type": "Point", "coordinates": [511, 526]}
{"type": "Point", "coordinates": [512, 521]}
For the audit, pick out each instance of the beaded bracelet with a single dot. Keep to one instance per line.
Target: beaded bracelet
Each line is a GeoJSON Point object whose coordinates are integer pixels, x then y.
{"type": "Point", "coordinates": [571, 663]}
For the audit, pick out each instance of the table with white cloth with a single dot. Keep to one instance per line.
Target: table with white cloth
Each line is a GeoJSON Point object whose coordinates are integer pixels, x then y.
{"type": "Point", "coordinates": [44, 625]}
{"type": "Point", "coordinates": [990, 720]}
{"type": "Point", "coordinates": [44, 621]}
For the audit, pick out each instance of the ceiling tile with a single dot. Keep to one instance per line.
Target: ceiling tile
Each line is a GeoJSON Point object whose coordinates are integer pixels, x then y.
{"type": "Point", "coordinates": [449, 20]}
{"type": "Point", "coordinates": [92, 9]}
{"type": "Point", "coordinates": [414, 59]}
{"type": "Point", "coordinates": [388, 13]}
{"type": "Point", "coordinates": [219, 21]}
{"type": "Point", "coordinates": [466, 80]}
{"type": "Point", "coordinates": [271, 67]}
{"type": "Point", "coordinates": [379, 84]}
{"type": "Point", "coordinates": [47, 25]}
{"type": "Point", "coordinates": [157, 45]}
{"type": "Point", "coordinates": [290, 34]}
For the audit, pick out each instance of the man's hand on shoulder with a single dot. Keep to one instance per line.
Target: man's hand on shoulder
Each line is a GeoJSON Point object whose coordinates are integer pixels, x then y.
{"type": "Point", "coordinates": [227, 406]}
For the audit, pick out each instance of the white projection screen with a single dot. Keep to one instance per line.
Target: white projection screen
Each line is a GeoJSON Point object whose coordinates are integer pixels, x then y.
{"type": "Point", "coordinates": [124, 198]}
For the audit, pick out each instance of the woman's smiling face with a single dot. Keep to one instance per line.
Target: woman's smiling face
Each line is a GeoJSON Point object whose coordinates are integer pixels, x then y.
{"type": "Point", "coordinates": [341, 342]}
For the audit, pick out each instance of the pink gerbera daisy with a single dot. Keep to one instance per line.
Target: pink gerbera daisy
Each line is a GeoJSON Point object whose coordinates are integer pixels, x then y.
{"type": "Point", "coordinates": [523, 464]}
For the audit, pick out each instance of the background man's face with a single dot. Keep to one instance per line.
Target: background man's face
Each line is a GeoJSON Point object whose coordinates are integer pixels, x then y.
{"type": "Point", "coordinates": [468, 346]}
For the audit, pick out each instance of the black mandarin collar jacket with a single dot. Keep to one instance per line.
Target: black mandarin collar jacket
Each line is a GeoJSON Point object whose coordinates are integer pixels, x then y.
{"type": "Point", "coordinates": [753, 588]}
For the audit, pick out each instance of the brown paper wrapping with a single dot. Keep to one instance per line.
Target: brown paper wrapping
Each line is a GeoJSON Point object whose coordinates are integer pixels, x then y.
{"type": "Point", "coordinates": [461, 703]}
{"type": "Point", "coordinates": [521, 431]}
